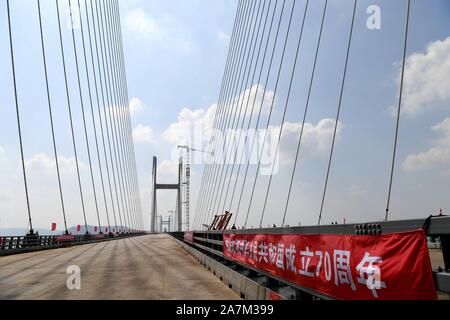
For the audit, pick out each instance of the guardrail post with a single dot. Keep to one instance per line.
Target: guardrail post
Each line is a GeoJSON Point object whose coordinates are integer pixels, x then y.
{"type": "Point", "coordinates": [301, 295]}
{"type": "Point", "coordinates": [31, 240]}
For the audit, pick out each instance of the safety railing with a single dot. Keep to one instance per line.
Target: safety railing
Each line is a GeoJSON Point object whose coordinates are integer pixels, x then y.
{"type": "Point", "coordinates": [35, 242]}
{"type": "Point", "coordinates": [436, 228]}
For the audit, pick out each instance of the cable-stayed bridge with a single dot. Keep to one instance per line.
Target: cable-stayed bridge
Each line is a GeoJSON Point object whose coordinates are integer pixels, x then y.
{"type": "Point", "coordinates": [242, 228]}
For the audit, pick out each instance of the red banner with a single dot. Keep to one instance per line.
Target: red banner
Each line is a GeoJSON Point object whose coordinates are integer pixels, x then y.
{"type": "Point", "coordinates": [189, 236]}
{"type": "Point", "coordinates": [350, 267]}
{"type": "Point", "coordinates": [65, 238]}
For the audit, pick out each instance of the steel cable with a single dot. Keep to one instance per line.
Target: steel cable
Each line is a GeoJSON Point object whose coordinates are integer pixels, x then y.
{"type": "Point", "coordinates": [19, 129]}
{"type": "Point", "coordinates": [69, 106]}
{"type": "Point", "coordinates": [344, 78]}
{"type": "Point", "coordinates": [397, 126]}
{"type": "Point", "coordinates": [277, 148]}
{"type": "Point", "coordinates": [50, 111]}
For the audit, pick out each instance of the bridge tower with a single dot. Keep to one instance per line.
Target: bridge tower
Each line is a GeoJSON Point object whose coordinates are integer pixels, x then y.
{"type": "Point", "coordinates": [157, 187]}
{"type": "Point", "coordinates": [165, 223]}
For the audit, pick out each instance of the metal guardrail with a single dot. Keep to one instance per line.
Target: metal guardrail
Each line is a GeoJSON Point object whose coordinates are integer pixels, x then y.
{"type": "Point", "coordinates": [18, 244]}
{"type": "Point", "coordinates": [438, 226]}
{"type": "Point", "coordinates": [211, 242]}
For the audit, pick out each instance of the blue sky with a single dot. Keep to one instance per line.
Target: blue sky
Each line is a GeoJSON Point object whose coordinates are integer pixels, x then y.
{"type": "Point", "coordinates": [175, 55]}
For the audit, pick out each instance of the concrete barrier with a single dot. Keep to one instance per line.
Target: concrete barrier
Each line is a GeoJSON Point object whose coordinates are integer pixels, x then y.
{"type": "Point", "coordinates": [251, 289]}
{"type": "Point", "coordinates": [244, 287]}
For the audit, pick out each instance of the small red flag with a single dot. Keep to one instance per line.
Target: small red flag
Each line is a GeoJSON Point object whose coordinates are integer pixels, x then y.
{"type": "Point", "coordinates": [53, 226]}
{"type": "Point", "coordinates": [95, 229]}
{"type": "Point", "coordinates": [106, 230]}
{"type": "Point", "coordinates": [78, 228]}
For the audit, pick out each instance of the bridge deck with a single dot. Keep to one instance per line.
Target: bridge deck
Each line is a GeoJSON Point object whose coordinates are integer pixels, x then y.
{"type": "Point", "coordinates": [148, 267]}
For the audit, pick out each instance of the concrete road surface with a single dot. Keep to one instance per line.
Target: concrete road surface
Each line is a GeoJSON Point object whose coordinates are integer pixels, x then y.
{"type": "Point", "coordinates": [148, 267]}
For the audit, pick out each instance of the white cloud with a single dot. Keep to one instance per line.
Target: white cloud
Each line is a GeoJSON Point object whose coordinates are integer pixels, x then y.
{"type": "Point", "coordinates": [316, 140]}
{"type": "Point", "coordinates": [168, 168]}
{"type": "Point", "coordinates": [191, 126]}
{"type": "Point", "coordinates": [223, 36]}
{"type": "Point", "coordinates": [438, 155]}
{"type": "Point", "coordinates": [252, 98]}
{"type": "Point", "coordinates": [195, 126]}
{"type": "Point", "coordinates": [135, 106]}
{"type": "Point", "coordinates": [43, 162]}
{"type": "Point", "coordinates": [138, 22]}
{"type": "Point", "coordinates": [427, 78]}
{"type": "Point", "coordinates": [158, 30]}
{"type": "Point", "coordinates": [143, 134]}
